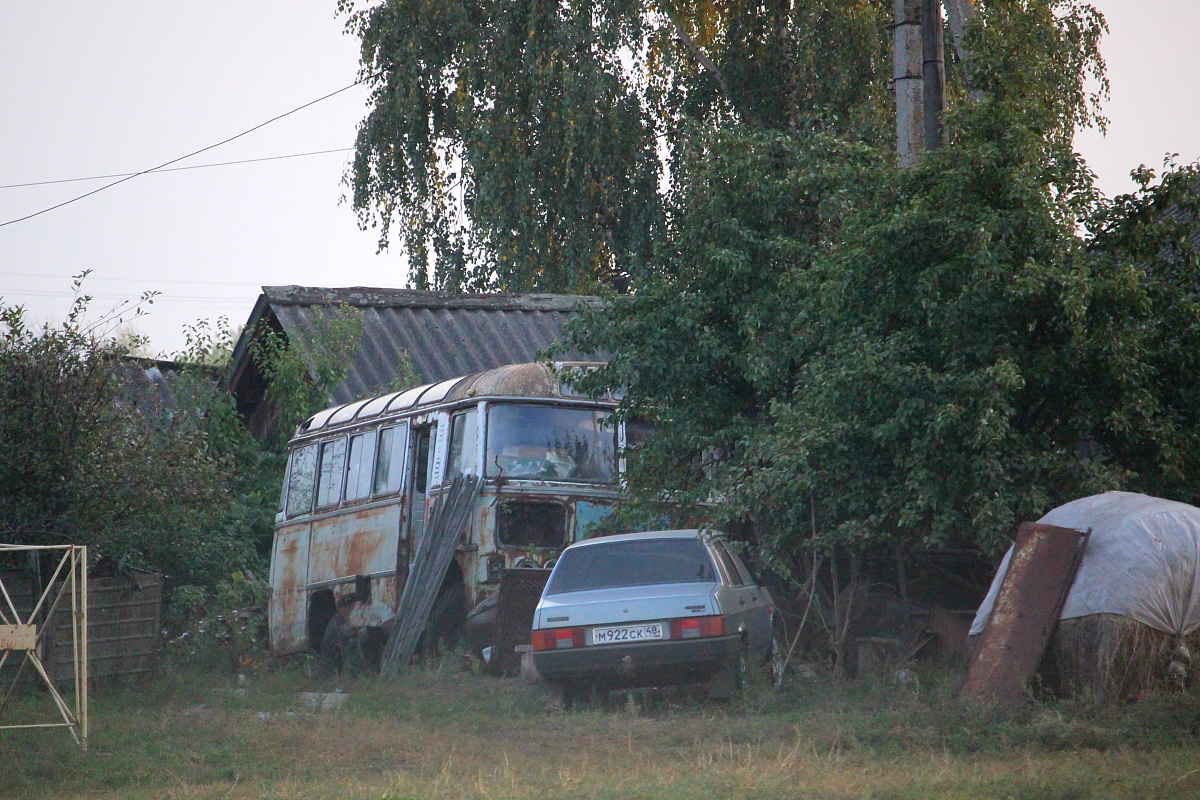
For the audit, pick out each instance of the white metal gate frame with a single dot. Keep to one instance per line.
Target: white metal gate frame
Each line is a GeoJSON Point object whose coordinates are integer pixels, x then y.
{"type": "Point", "coordinates": [25, 637]}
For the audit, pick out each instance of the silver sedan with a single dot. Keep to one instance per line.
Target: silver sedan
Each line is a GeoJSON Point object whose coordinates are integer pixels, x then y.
{"type": "Point", "coordinates": [652, 609]}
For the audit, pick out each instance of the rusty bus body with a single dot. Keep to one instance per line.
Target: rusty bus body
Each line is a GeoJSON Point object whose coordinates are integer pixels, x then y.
{"type": "Point", "coordinates": [363, 477]}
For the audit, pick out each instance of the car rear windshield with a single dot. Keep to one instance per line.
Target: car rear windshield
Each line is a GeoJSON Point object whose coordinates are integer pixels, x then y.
{"type": "Point", "coordinates": [639, 562]}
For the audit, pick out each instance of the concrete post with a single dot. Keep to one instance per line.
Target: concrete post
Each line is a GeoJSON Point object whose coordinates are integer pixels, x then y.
{"type": "Point", "coordinates": [933, 72]}
{"type": "Point", "coordinates": [957, 14]}
{"type": "Point", "coordinates": [907, 75]}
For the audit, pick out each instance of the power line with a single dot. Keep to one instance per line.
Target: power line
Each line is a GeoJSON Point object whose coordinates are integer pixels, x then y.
{"type": "Point", "coordinates": [94, 277]}
{"type": "Point", "coordinates": [174, 169]}
{"type": "Point", "coordinates": [159, 298]}
{"type": "Point", "coordinates": [163, 166]}
{"type": "Point", "coordinates": [166, 164]}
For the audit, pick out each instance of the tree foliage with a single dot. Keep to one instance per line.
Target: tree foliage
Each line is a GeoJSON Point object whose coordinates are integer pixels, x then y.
{"type": "Point", "coordinates": [302, 370]}
{"type": "Point", "coordinates": [527, 146]}
{"type": "Point", "coordinates": [96, 455]}
{"type": "Point", "coordinates": [845, 353]}
{"type": "Point", "coordinates": [829, 345]}
{"type": "Point", "coordinates": [163, 474]}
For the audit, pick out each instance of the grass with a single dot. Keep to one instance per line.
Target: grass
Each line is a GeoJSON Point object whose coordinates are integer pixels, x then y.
{"type": "Point", "coordinates": [441, 733]}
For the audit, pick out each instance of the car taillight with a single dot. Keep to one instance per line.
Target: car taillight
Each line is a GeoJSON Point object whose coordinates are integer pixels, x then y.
{"type": "Point", "coordinates": [697, 627]}
{"type": "Point", "coordinates": [557, 638]}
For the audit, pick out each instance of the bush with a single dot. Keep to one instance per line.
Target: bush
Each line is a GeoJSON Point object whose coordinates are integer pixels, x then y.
{"type": "Point", "coordinates": [95, 454]}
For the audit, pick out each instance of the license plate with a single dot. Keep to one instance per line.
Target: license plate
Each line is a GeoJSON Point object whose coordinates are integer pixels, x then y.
{"type": "Point", "coordinates": [628, 633]}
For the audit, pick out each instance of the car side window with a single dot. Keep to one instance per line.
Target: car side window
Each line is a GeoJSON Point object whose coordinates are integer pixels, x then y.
{"type": "Point", "coordinates": [728, 565]}
{"type": "Point", "coordinates": [743, 570]}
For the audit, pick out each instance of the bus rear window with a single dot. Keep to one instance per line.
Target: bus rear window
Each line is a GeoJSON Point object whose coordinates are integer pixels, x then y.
{"type": "Point", "coordinates": [550, 443]}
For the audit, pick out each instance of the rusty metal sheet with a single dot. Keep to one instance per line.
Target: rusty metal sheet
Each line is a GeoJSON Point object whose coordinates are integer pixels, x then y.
{"type": "Point", "coordinates": [1043, 565]}
{"type": "Point", "coordinates": [520, 590]}
{"type": "Point", "coordinates": [18, 637]}
{"type": "Point", "coordinates": [287, 609]}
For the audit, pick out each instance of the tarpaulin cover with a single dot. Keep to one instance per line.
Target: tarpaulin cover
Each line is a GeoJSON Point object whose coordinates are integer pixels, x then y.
{"type": "Point", "coordinates": [1142, 561]}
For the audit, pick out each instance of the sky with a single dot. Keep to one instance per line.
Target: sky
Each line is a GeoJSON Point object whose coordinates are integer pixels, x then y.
{"type": "Point", "coordinates": [100, 88]}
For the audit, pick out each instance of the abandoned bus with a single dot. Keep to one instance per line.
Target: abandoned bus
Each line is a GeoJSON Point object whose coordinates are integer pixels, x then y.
{"type": "Point", "coordinates": [363, 478]}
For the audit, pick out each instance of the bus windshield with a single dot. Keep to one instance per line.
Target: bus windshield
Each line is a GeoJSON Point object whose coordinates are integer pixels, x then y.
{"type": "Point", "coordinates": [551, 443]}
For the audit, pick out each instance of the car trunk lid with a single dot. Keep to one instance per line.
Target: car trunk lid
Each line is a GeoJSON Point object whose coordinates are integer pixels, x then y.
{"type": "Point", "coordinates": [627, 604]}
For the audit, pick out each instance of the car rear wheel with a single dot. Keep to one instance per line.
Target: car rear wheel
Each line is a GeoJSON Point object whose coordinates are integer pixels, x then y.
{"type": "Point", "coordinates": [775, 659]}
{"type": "Point", "coordinates": [564, 694]}
{"type": "Point", "coordinates": [730, 677]}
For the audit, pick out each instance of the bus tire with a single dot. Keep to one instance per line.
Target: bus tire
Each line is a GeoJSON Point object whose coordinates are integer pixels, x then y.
{"type": "Point", "coordinates": [341, 653]}
{"type": "Point", "coordinates": [446, 620]}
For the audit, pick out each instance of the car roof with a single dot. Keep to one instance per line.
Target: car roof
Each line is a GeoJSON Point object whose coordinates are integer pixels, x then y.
{"type": "Point", "coordinates": [686, 533]}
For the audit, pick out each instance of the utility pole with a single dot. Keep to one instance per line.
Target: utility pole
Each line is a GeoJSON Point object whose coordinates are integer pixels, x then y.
{"type": "Point", "coordinates": [958, 13]}
{"type": "Point", "coordinates": [933, 72]}
{"type": "Point", "coordinates": [919, 72]}
{"type": "Point", "coordinates": [908, 79]}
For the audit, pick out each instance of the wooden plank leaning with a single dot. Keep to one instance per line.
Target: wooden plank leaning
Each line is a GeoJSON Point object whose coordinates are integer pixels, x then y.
{"type": "Point", "coordinates": [427, 571]}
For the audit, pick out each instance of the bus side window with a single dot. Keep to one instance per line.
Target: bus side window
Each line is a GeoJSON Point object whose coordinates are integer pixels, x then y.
{"type": "Point", "coordinates": [389, 464]}
{"type": "Point", "coordinates": [301, 478]}
{"type": "Point", "coordinates": [464, 444]}
{"type": "Point", "coordinates": [358, 466]}
{"type": "Point", "coordinates": [333, 463]}
{"type": "Point", "coordinates": [637, 433]}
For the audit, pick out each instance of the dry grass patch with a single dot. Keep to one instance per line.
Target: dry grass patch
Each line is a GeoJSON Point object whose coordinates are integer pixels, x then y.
{"type": "Point", "coordinates": [441, 733]}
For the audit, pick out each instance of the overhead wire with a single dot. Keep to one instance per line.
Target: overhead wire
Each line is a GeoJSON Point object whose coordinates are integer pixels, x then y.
{"type": "Point", "coordinates": [94, 277]}
{"type": "Point", "coordinates": [176, 169]}
{"type": "Point", "coordinates": [162, 167]}
{"type": "Point", "coordinates": [165, 164]}
{"type": "Point", "coordinates": [123, 177]}
{"type": "Point", "coordinates": [160, 297]}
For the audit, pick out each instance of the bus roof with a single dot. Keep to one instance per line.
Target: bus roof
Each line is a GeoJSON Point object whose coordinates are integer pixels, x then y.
{"type": "Point", "coordinates": [514, 380]}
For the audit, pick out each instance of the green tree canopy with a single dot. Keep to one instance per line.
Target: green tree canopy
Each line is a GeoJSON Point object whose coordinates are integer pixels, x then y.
{"type": "Point", "coordinates": [928, 355]}
{"type": "Point", "coordinates": [840, 349]}
{"type": "Point", "coordinates": [529, 145]}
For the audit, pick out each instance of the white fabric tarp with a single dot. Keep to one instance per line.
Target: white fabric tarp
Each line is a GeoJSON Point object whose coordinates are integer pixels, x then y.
{"type": "Point", "coordinates": [1142, 561]}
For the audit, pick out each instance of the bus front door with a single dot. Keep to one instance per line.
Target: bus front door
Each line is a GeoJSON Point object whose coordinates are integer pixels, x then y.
{"type": "Point", "coordinates": [420, 472]}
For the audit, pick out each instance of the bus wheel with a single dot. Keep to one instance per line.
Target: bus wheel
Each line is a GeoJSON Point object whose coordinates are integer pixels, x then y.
{"type": "Point", "coordinates": [341, 653]}
{"type": "Point", "coordinates": [445, 620]}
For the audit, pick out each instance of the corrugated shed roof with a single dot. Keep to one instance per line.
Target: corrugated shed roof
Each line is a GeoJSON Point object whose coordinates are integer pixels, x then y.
{"type": "Point", "coordinates": [445, 335]}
